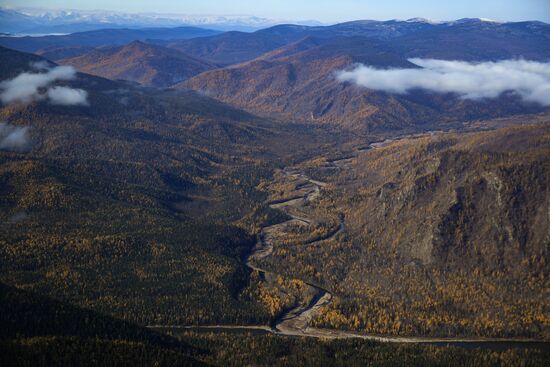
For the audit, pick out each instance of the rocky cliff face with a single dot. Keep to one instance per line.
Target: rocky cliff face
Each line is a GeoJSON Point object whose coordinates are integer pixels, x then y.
{"type": "Point", "coordinates": [451, 207]}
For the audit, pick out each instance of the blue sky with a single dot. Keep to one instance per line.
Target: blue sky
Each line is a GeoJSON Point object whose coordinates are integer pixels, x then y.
{"type": "Point", "coordinates": [322, 10]}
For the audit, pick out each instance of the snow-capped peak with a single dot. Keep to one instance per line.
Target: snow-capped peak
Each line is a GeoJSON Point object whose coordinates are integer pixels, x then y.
{"type": "Point", "coordinates": [423, 20]}
{"type": "Point", "coordinates": [474, 20]}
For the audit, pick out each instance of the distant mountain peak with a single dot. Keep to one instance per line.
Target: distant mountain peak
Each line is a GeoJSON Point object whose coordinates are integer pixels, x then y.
{"type": "Point", "coordinates": [139, 44]}
{"type": "Point", "coordinates": [140, 62]}
{"type": "Point", "coordinates": [40, 21]}
{"type": "Point", "coordinates": [451, 22]}
{"type": "Point", "coordinates": [423, 20]}
{"type": "Point", "coordinates": [473, 20]}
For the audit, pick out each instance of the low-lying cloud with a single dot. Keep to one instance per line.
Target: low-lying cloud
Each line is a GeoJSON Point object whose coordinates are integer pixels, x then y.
{"type": "Point", "coordinates": [67, 96]}
{"type": "Point", "coordinates": [41, 65]}
{"type": "Point", "coordinates": [528, 79]}
{"type": "Point", "coordinates": [13, 138]}
{"type": "Point", "coordinates": [28, 87]}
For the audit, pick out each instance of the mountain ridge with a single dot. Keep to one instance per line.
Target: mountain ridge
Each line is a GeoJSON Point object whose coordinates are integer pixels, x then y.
{"type": "Point", "coordinates": [147, 64]}
{"type": "Point", "coordinates": [298, 81]}
{"type": "Point", "coordinates": [102, 37]}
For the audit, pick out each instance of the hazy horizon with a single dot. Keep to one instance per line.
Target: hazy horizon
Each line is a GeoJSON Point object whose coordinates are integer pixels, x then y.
{"type": "Point", "coordinates": [325, 12]}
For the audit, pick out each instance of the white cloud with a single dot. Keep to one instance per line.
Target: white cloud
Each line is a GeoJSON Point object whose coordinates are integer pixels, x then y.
{"type": "Point", "coordinates": [28, 87]}
{"type": "Point", "coordinates": [528, 79]}
{"type": "Point", "coordinates": [13, 138]}
{"type": "Point", "coordinates": [67, 96]}
{"type": "Point", "coordinates": [40, 65]}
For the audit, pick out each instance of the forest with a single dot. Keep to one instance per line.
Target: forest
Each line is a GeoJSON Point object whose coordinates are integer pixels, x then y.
{"type": "Point", "coordinates": [129, 222]}
{"type": "Point", "coordinates": [410, 277]}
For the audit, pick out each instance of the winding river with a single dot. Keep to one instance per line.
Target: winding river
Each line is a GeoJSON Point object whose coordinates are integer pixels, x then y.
{"type": "Point", "coordinates": [296, 321]}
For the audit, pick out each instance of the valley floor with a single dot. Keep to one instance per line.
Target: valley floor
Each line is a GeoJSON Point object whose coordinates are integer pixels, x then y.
{"type": "Point", "coordinates": [297, 319]}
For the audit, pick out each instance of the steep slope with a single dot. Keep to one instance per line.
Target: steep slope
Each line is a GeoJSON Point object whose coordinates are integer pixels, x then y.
{"type": "Point", "coordinates": [12, 62]}
{"type": "Point", "coordinates": [465, 39]}
{"type": "Point", "coordinates": [25, 314]}
{"type": "Point", "coordinates": [139, 62]}
{"type": "Point", "coordinates": [44, 332]}
{"type": "Point", "coordinates": [484, 194]}
{"type": "Point", "coordinates": [469, 225]}
{"type": "Point", "coordinates": [34, 326]}
{"type": "Point", "coordinates": [380, 30]}
{"type": "Point", "coordinates": [475, 40]}
{"type": "Point", "coordinates": [235, 47]}
{"type": "Point", "coordinates": [298, 82]}
{"type": "Point", "coordinates": [128, 204]}
{"type": "Point", "coordinates": [445, 234]}
{"type": "Point", "coordinates": [55, 53]}
{"type": "Point", "coordinates": [471, 39]}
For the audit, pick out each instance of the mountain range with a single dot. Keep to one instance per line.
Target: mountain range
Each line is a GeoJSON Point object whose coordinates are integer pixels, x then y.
{"type": "Point", "coordinates": [143, 63]}
{"type": "Point", "coordinates": [363, 181]}
{"type": "Point", "coordinates": [298, 81]}
{"type": "Point", "coordinates": [465, 39]}
{"type": "Point", "coordinates": [288, 71]}
{"type": "Point", "coordinates": [102, 37]}
{"type": "Point", "coordinates": [44, 21]}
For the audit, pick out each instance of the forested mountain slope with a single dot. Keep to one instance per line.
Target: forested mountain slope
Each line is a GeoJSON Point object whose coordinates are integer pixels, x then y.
{"type": "Point", "coordinates": [127, 203]}
{"type": "Point", "coordinates": [140, 62]}
{"type": "Point", "coordinates": [445, 235]}
{"type": "Point", "coordinates": [299, 82]}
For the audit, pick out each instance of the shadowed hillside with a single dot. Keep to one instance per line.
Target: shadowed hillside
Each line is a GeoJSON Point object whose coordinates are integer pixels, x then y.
{"type": "Point", "coordinates": [45, 331]}
{"type": "Point", "coordinates": [299, 82]}
{"type": "Point", "coordinates": [139, 62]}
{"type": "Point", "coordinates": [131, 204]}
{"type": "Point", "coordinates": [103, 37]}
{"type": "Point", "coordinates": [364, 193]}
{"type": "Point", "coordinates": [445, 235]}
{"type": "Point", "coordinates": [235, 47]}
